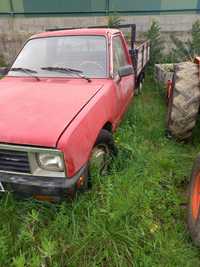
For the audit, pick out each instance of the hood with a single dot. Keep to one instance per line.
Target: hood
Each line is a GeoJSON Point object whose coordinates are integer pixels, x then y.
{"type": "Point", "coordinates": [36, 112]}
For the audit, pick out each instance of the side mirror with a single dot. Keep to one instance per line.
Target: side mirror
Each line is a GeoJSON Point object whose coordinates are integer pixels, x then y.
{"type": "Point", "coordinates": [3, 71]}
{"type": "Point", "coordinates": [125, 71]}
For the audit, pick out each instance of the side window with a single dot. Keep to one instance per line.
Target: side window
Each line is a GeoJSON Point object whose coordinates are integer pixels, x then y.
{"type": "Point", "coordinates": [119, 56]}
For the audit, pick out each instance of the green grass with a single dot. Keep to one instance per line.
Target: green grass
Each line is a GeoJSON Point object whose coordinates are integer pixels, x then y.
{"type": "Point", "coordinates": [136, 216]}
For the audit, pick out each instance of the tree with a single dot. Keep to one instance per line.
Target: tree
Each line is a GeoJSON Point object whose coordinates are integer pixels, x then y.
{"type": "Point", "coordinates": [156, 43]}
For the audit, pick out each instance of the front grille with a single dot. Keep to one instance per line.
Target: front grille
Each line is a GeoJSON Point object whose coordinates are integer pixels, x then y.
{"type": "Point", "coordinates": [14, 161]}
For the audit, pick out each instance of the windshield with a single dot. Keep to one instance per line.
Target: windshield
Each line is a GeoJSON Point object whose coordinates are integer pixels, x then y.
{"type": "Point", "coordinates": [84, 53]}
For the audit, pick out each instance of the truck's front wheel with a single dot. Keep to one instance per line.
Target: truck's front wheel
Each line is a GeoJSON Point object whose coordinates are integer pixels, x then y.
{"type": "Point", "coordinates": [102, 154]}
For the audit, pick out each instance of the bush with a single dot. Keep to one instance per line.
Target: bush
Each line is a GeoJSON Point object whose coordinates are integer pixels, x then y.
{"type": "Point", "coordinates": [196, 37]}
{"type": "Point", "coordinates": [153, 34]}
{"type": "Point", "coordinates": [114, 20]}
{"type": "Point", "coordinates": [2, 61]}
{"type": "Point", "coordinates": [184, 51]}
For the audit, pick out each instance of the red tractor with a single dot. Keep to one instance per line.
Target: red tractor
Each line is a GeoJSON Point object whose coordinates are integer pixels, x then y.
{"type": "Point", "coordinates": [183, 99]}
{"type": "Point", "coordinates": [194, 203]}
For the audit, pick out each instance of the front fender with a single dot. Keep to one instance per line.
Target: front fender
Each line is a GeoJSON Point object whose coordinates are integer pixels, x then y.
{"type": "Point", "coordinates": [79, 138]}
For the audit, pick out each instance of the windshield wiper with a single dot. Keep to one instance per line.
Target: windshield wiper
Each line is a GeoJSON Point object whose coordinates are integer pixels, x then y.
{"type": "Point", "coordinates": [27, 71]}
{"type": "Point", "coordinates": [67, 70]}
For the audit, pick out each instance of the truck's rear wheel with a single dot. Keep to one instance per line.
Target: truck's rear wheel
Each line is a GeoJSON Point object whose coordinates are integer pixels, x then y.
{"type": "Point", "coordinates": [185, 99]}
{"type": "Point", "coordinates": [140, 87]}
{"type": "Point", "coordinates": [140, 82]}
{"type": "Point", "coordinates": [102, 154]}
{"type": "Point", "coordinates": [194, 203]}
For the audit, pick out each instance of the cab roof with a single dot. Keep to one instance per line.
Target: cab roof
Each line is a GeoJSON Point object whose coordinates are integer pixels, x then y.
{"type": "Point", "coordinates": [84, 31]}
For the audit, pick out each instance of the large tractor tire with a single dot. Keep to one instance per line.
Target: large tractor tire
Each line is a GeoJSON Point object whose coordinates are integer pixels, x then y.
{"type": "Point", "coordinates": [184, 101]}
{"type": "Point", "coordinates": [194, 203]}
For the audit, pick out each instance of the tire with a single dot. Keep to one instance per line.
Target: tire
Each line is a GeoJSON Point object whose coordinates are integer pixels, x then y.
{"type": "Point", "coordinates": [140, 83]}
{"type": "Point", "coordinates": [185, 100]}
{"type": "Point", "coordinates": [194, 203]}
{"type": "Point", "coordinates": [136, 91]}
{"type": "Point", "coordinates": [104, 149]}
{"type": "Point", "coordinates": [140, 87]}
{"type": "Point", "coordinates": [104, 142]}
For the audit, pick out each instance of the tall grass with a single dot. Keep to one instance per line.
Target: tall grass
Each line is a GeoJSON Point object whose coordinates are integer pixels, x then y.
{"type": "Point", "coordinates": [133, 217]}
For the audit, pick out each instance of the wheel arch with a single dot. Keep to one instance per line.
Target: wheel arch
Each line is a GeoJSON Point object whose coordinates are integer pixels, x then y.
{"type": "Point", "coordinates": [78, 143]}
{"type": "Point", "coordinates": [108, 126]}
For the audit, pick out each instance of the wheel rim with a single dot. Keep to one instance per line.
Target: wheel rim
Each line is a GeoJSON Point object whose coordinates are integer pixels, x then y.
{"type": "Point", "coordinates": [196, 197]}
{"type": "Point", "coordinates": [99, 160]}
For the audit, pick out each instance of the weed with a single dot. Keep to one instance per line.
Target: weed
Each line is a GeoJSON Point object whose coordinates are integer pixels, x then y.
{"type": "Point", "coordinates": [156, 43]}
{"type": "Point", "coordinates": [114, 21]}
{"type": "Point", "coordinates": [133, 217]}
{"type": "Point", "coordinates": [2, 61]}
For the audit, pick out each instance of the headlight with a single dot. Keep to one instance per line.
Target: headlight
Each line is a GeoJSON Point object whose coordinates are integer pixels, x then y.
{"type": "Point", "coordinates": [50, 161]}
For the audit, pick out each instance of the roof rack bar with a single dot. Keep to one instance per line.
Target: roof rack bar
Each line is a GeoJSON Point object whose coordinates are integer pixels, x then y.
{"type": "Point", "coordinates": [131, 26]}
{"type": "Point", "coordinates": [91, 27]}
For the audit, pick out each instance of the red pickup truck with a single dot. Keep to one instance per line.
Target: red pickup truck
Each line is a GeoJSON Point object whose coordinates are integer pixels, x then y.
{"type": "Point", "coordinates": [60, 102]}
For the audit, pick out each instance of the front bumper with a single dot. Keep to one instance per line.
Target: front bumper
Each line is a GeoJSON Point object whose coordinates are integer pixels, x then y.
{"type": "Point", "coordinates": [27, 185]}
